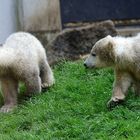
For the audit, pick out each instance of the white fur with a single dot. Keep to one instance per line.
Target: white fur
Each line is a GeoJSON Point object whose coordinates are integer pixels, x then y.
{"type": "Point", "coordinates": [119, 49]}
{"type": "Point", "coordinates": [123, 54]}
{"type": "Point", "coordinates": [9, 52]}
{"type": "Point", "coordinates": [23, 58]}
{"type": "Point", "coordinates": [20, 48]}
{"type": "Point", "coordinates": [123, 45]}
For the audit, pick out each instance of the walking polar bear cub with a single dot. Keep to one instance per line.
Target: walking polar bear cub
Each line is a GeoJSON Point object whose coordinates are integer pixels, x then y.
{"type": "Point", "coordinates": [123, 54]}
{"type": "Point", "coordinates": [23, 58]}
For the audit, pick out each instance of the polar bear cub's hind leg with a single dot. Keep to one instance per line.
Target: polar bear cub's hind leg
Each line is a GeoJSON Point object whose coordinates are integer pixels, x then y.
{"type": "Point", "coordinates": [9, 89]}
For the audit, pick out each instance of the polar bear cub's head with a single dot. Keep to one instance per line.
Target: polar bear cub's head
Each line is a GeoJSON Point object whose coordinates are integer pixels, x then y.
{"type": "Point", "coordinates": [102, 54]}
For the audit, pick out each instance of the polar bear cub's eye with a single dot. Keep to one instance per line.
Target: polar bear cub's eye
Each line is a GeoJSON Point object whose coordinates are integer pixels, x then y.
{"type": "Point", "coordinates": [93, 54]}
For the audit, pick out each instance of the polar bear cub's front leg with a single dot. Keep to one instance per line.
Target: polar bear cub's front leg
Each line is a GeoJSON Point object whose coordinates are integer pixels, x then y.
{"type": "Point", "coordinates": [120, 87]}
{"type": "Point", "coordinates": [47, 77]}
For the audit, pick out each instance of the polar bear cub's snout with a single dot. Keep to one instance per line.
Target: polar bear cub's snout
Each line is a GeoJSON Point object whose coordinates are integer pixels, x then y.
{"type": "Point", "coordinates": [90, 62]}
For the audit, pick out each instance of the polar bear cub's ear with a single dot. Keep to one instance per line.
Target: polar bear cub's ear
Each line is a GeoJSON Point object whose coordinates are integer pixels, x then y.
{"type": "Point", "coordinates": [110, 41]}
{"type": "Point", "coordinates": [109, 37]}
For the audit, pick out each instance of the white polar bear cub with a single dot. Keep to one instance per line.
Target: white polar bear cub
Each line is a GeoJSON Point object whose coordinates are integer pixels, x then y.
{"type": "Point", "coordinates": [23, 58]}
{"type": "Point", "coordinates": [122, 54]}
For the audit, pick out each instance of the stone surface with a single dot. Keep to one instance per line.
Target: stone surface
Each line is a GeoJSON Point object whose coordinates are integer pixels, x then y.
{"type": "Point", "coordinates": [73, 44]}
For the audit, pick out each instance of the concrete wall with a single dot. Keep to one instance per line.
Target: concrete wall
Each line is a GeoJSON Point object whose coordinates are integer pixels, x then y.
{"type": "Point", "coordinates": [8, 18]}
{"type": "Point", "coordinates": [40, 15]}
{"type": "Point", "coordinates": [29, 15]}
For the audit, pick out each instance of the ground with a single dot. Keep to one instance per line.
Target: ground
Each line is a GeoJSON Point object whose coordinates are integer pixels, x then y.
{"type": "Point", "coordinates": [74, 109]}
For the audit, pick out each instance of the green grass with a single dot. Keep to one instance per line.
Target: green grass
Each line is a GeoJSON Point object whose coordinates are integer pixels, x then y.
{"type": "Point", "coordinates": [74, 109]}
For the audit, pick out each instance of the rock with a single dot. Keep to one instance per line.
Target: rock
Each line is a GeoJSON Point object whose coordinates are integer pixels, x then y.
{"type": "Point", "coordinates": [72, 44]}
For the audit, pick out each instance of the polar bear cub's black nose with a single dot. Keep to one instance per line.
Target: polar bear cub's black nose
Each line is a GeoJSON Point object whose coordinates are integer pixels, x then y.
{"type": "Point", "coordinates": [85, 65]}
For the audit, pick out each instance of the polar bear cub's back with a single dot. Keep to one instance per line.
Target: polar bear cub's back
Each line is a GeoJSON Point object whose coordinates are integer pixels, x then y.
{"type": "Point", "coordinates": [23, 45]}
{"type": "Point", "coordinates": [23, 40]}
